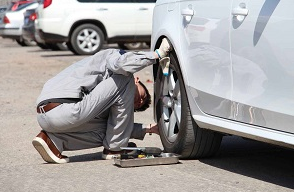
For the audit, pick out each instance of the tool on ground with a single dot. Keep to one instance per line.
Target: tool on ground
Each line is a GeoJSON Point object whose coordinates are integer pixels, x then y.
{"type": "Point", "coordinates": [140, 152]}
{"type": "Point", "coordinates": [144, 156]}
{"type": "Point", "coordinates": [164, 63]}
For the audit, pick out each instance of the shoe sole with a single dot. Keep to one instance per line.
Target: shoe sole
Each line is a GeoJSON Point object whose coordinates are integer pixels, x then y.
{"type": "Point", "coordinates": [43, 149]}
{"type": "Point", "coordinates": [109, 157]}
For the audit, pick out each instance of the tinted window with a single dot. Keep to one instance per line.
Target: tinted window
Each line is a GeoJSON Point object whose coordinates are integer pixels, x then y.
{"type": "Point", "coordinates": [22, 6]}
{"type": "Point", "coordinates": [18, 6]}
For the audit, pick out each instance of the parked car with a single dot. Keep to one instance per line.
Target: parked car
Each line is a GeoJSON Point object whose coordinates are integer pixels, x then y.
{"type": "Point", "coordinates": [87, 25]}
{"type": "Point", "coordinates": [231, 73]}
{"type": "Point", "coordinates": [12, 20]}
{"type": "Point", "coordinates": [3, 8]}
{"type": "Point", "coordinates": [28, 32]}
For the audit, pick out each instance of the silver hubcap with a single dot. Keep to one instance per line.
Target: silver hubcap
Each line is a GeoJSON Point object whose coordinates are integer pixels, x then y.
{"type": "Point", "coordinates": [171, 101]}
{"type": "Point", "coordinates": [88, 40]}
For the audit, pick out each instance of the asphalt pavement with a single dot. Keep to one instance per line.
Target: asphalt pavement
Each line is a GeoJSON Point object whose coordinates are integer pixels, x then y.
{"type": "Point", "coordinates": [241, 165]}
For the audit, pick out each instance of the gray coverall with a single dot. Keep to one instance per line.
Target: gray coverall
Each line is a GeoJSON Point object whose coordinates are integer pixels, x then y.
{"type": "Point", "coordinates": [104, 113]}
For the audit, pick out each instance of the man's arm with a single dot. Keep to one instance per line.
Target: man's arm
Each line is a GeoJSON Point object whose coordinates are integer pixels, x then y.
{"type": "Point", "coordinates": [130, 62]}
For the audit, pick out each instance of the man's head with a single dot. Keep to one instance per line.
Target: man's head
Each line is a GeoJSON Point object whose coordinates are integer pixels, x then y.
{"type": "Point", "coordinates": [142, 99]}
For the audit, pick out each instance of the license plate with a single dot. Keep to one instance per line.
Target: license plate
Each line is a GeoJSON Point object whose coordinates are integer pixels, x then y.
{"type": "Point", "coordinates": [26, 21]}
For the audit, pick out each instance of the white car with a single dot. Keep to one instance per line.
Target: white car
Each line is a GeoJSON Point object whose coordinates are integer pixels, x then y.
{"type": "Point", "coordinates": [87, 24]}
{"type": "Point", "coordinates": [12, 20]}
{"type": "Point", "coordinates": [231, 73]}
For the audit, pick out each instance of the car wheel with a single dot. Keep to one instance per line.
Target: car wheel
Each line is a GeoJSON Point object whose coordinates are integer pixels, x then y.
{"type": "Point", "coordinates": [57, 46]}
{"type": "Point", "coordinates": [42, 45]}
{"type": "Point", "coordinates": [70, 47]}
{"type": "Point", "coordinates": [24, 42]}
{"type": "Point", "coordinates": [20, 42]}
{"type": "Point", "coordinates": [178, 131]}
{"type": "Point", "coordinates": [148, 43]}
{"type": "Point", "coordinates": [87, 39]}
{"type": "Point", "coordinates": [62, 46]}
{"type": "Point", "coordinates": [29, 43]}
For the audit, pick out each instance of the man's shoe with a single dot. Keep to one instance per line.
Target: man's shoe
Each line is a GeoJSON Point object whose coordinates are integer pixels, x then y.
{"type": "Point", "coordinates": [47, 149]}
{"type": "Point", "coordinates": [164, 48]}
{"type": "Point", "coordinates": [107, 154]}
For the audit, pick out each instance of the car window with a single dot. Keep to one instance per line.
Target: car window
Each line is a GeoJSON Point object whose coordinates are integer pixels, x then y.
{"type": "Point", "coordinates": [22, 6]}
{"type": "Point", "coordinates": [18, 6]}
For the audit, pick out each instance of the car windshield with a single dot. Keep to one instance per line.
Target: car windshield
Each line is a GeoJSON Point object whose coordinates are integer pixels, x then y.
{"type": "Point", "coordinates": [19, 5]}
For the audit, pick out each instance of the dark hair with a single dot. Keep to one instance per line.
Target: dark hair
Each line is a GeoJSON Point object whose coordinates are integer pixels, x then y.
{"type": "Point", "coordinates": [147, 102]}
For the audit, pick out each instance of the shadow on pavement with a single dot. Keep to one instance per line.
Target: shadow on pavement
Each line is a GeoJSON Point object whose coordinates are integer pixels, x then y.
{"type": "Point", "coordinates": [257, 160]}
{"type": "Point", "coordinates": [60, 55]}
{"type": "Point", "coordinates": [86, 157]}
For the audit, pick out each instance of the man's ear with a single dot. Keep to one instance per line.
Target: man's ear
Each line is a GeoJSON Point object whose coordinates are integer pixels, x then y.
{"type": "Point", "coordinates": [136, 79]}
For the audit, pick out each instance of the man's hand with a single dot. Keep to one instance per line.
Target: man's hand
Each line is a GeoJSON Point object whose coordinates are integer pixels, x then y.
{"type": "Point", "coordinates": [153, 128]}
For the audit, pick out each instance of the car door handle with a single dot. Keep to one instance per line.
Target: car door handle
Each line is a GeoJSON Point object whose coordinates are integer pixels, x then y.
{"type": "Point", "coordinates": [102, 9]}
{"type": "Point", "coordinates": [187, 12]}
{"type": "Point", "coordinates": [143, 8]}
{"type": "Point", "coordinates": [240, 11]}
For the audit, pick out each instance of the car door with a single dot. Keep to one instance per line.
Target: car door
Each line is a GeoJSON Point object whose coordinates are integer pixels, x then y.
{"type": "Point", "coordinates": [117, 15]}
{"type": "Point", "coordinates": [206, 64]}
{"type": "Point", "coordinates": [262, 58]}
{"type": "Point", "coordinates": [143, 16]}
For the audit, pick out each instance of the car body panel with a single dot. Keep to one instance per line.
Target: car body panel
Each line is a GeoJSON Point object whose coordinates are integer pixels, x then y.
{"type": "Point", "coordinates": [143, 21]}
{"type": "Point", "coordinates": [203, 36]}
{"type": "Point", "coordinates": [244, 83]}
{"type": "Point", "coordinates": [262, 49]}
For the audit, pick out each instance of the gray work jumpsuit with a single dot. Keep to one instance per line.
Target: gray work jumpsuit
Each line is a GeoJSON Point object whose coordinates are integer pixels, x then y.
{"type": "Point", "coordinates": [104, 115]}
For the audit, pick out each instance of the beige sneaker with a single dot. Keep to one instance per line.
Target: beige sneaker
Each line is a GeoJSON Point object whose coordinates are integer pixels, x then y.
{"type": "Point", "coordinates": [107, 154]}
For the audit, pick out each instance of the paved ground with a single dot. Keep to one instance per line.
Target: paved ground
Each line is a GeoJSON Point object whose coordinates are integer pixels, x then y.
{"type": "Point", "coordinates": [241, 165]}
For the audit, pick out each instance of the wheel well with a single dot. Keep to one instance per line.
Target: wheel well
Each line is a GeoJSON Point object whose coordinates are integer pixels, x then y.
{"type": "Point", "coordinates": [89, 21]}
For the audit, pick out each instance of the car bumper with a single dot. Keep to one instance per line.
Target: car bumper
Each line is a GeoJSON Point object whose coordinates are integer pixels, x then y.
{"type": "Point", "coordinates": [51, 38]}
{"type": "Point", "coordinates": [13, 33]}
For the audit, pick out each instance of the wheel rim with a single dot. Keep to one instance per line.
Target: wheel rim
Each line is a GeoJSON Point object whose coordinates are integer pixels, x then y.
{"type": "Point", "coordinates": [88, 40]}
{"type": "Point", "coordinates": [171, 106]}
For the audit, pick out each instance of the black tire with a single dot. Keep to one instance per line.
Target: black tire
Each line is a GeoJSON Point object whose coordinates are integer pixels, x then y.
{"type": "Point", "coordinates": [20, 42]}
{"type": "Point", "coordinates": [29, 43]}
{"type": "Point", "coordinates": [178, 131]}
{"type": "Point", "coordinates": [57, 46]}
{"type": "Point", "coordinates": [25, 43]}
{"type": "Point", "coordinates": [69, 46]}
{"type": "Point", "coordinates": [52, 46]}
{"type": "Point", "coordinates": [42, 46]}
{"type": "Point", "coordinates": [62, 46]}
{"type": "Point", "coordinates": [148, 43]}
{"type": "Point", "coordinates": [122, 46]}
{"type": "Point", "coordinates": [87, 39]}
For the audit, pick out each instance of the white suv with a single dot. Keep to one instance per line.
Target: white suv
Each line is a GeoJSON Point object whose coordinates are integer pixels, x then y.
{"type": "Point", "coordinates": [86, 24]}
{"type": "Point", "coordinates": [231, 73]}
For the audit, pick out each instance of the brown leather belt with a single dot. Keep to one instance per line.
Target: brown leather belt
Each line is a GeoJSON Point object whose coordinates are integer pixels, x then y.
{"type": "Point", "coordinates": [47, 107]}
